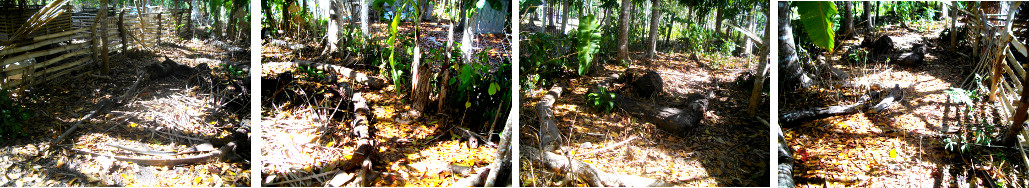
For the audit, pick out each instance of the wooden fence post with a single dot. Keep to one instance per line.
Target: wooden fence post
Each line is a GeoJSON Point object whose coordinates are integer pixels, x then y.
{"type": "Point", "coordinates": [160, 26]}
{"type": "Point", "coordinates": [122, 31]}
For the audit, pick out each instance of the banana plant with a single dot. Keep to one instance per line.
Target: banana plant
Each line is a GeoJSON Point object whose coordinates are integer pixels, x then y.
{"type": "Point", "coordinates": [816, 18]}
{"type": "Point", "coordinates": [588, 36]}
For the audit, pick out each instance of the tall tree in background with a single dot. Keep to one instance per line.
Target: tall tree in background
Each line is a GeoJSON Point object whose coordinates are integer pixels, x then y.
{"type": "Point", "coordinates": [655, 18]}
{"type": "Point", "coordinates": [868, 16]}
{"type": "Point", "coordinates": [215, 6]}
{"type": "Point", "coordinates": [335, 20]}
{"type": "Point", "coordinates": [564, 15]}
{"type": "Point", "coordinates": [550, 14]}
{"type": "Point", "coordinates": [848, 20]}
{"type": "Point", "coordinates": [623, 32]}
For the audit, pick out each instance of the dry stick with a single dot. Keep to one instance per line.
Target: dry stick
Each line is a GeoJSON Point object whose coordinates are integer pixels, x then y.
{"type": "Point", "coordinates": [302, 179]}
{"type": "Point", "coordinates": [98, 108]}
{"type": "Point", "coordinates": [607, 148]}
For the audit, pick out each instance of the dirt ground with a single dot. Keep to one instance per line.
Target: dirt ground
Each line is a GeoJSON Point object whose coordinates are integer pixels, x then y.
{"type": "Point", "coordinates": [904, 145]}
{"type": "Point", "coordinates": [728, 149]}
{"type": "Point", "coordinates": [164, 114]}
{"type": "Point", "coordinates": [306, 142]}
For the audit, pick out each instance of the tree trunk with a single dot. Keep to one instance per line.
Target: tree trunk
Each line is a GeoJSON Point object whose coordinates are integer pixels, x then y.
{"type": "Point", "coordinates": [953, 29]}
{"type": "Point", "coordinates": [364, 17]}
{"type": "Point", "coordinates": [668, 33]}
{"type": "Point", "coordinates": [655, 18]}
{"type": "Point", "coordinates": [230, 29]}
{"type": "Point", "coordinates": [217, 14]}
{"type": "Point", "coordinates": [189, 20]}
{"type": "Point", "coordinates": [718, 22]}
{"type": "Point", "coordinates": [332, 41]}
{"type": "Point", "coordinates": [420, 85]}
{"type": "Point", "coordinates": [748, 44]}
{"type": "Point", "coordinates": [102, 15]}
{"type": "Point", "coordinates": [623, 31]}
{"type": "Point", "coordinates": [785, 163]}
{"type": "Point", "coordinates": [266, 7]}
{"type": "Point", "coordinates": [793, 74]}
{"type": "Point", "coordinates": [868, 17]}
{"type": "Point", "coordinates": [550, 15]}
{"type": "Point", "coordinates": [762, 71]}
{"type": "Point", "coordinates": [564, 16]}
{"type": "Point", "coordinates": [848, 19]}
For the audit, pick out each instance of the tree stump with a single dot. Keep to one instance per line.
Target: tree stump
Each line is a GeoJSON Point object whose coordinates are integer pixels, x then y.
{"type": "Point", "coordinates": [648, 85]}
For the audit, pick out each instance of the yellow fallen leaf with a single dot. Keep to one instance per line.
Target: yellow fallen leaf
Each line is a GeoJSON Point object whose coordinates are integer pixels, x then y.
{"type": "Point", "coordinates": [893, 153]}
{"type": "Point", "coordinates": [196, 181]}
{"type": "Point", "coordinates": [133, 124]}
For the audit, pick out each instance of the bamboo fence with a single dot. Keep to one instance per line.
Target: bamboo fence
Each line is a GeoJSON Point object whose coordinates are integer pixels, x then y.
{"type": "Point", "coordinates": [71, 41]}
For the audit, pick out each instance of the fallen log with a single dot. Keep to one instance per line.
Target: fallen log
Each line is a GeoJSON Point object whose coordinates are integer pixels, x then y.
{"type": "Point", "coordinates": [587, 172]}
{"type": "Point", "coordinates": [550, 136]}
{"type": "Point", "coordinates": [372, 82]}
{"type": "Point", "coordinates": [502, 162]}
{"type": "Point", "coordinates": [361, 161]}
{"type": "Point", "coordinates": [674, 120]}
{"type": "Point", "coordinates": [219, 154]}
{"type": "Point", "coordinates": [790, 119]}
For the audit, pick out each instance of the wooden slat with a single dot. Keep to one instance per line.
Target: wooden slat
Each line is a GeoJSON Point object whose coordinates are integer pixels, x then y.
{"type": "Point", "coordinates": [38, 44]}
{"type": "Point", "coordinates": [1014, 79]}
{"type": "Point", "coordinates": [50, 61]}
{"type": "Point", "coordinates": [1019, 46]}
{"type": "Point", "coordinates": [37, 54]}
{"type": "Point", "coordinates": [1017, 65]}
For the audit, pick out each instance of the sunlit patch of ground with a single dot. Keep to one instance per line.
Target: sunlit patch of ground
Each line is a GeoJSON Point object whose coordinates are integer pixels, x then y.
{"type": "Point", "coordinates": [421, 154]}
{"type": "Point", "coordinates": [902, 146]}
{"type": "Point", "coordinates": [165, 114]}
{"type": "Point", "coordinates": [728, 150]}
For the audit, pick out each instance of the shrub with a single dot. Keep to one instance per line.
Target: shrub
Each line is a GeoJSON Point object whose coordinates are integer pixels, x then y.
{"type": "Point", "coordinates": [12, 116]}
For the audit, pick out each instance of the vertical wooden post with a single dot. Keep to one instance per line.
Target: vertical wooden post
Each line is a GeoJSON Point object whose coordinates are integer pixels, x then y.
{"type": "Point", "coordinates": [102, 15]}
{"type": "Point", "coordinates": [159, 27]}
{"type": "Point", "coordinates": [122, 31]}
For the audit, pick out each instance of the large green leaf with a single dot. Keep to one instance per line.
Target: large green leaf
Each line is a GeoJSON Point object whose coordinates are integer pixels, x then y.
{"type": "Point", "coordinates": [527, 6]}
{"type": "Point", "coordinates": [815, 15]}
{"type": "Point", "coordinates": [589, 42]}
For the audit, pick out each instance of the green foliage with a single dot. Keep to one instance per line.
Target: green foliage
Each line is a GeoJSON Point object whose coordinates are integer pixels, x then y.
{"type": "Point", "coordinates": [311, 73]}
{"type": "Point", "coordinates": [12, 116]}
{"type": "Point", "coordinates": [601, 100]}
{"type": "Point", "coordinates": [541, 60]}
{"type": "Point", "coordinates": [815, 16]}
{"type": "Point", "coordinates": [526, 6]}
{"type": "Point", "coordinates": [395, 67]}
{"type": "Point", "coordinates": [588, 42]}
{"type": "Point", "coordinates": [233, 71]}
